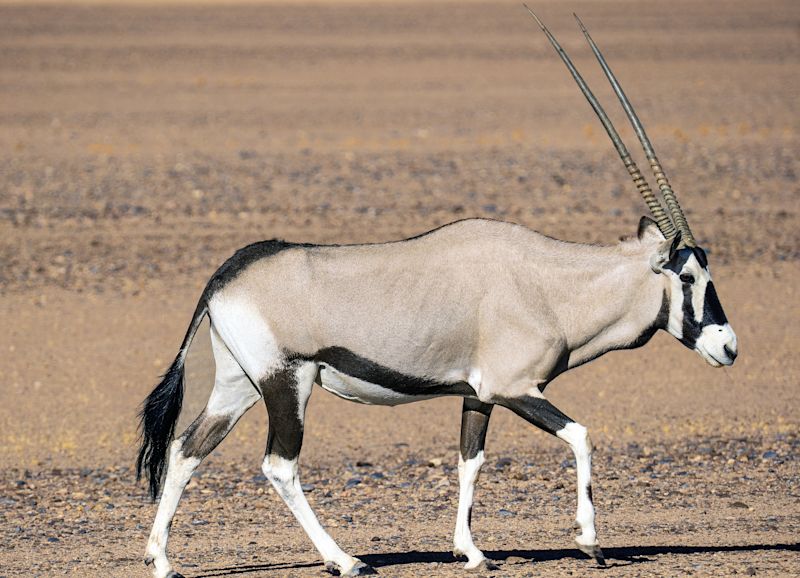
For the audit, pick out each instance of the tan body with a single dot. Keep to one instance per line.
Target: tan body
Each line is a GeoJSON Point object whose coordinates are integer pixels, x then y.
{"type": "Point", "coordinates": [489, 303]}
{"type": "Point", "coordinates": [487, 310]}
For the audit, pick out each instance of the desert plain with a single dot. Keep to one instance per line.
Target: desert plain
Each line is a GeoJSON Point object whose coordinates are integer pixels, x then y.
{"type": "Point", "coordinates": [142, 143]}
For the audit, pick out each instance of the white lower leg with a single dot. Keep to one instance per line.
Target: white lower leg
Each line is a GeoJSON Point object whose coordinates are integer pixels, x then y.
{"type": "Point", "coordinates": [282, 473]}
{"type": "Point", "coordinates": [578, 439]}
{"type": "Point", "coordinates": [463, 545]}
{"type": "Point", "coordinates": [179, 472]}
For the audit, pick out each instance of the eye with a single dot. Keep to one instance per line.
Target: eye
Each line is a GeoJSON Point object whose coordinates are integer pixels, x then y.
{"type": "Point", "coordinates": [687, 278]}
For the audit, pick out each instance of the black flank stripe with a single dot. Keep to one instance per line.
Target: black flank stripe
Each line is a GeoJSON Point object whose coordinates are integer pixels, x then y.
{"type": "Point", "coordinates": [352, 364]}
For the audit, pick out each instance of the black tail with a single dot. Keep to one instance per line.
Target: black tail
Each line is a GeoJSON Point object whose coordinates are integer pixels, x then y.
{"type": "Point", "coordinates": [160, 411]}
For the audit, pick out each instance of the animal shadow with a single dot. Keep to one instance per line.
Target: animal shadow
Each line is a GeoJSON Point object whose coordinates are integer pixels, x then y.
{"type": "Point", "coordinates": [615, 556]}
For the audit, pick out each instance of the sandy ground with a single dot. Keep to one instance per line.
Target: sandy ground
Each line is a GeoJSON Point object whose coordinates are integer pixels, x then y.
{"type": "Point", "coordinates": [141, 144]}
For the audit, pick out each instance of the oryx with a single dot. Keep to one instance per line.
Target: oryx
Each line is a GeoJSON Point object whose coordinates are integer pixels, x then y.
{"type": "Point", "coordinates": [486, 310]}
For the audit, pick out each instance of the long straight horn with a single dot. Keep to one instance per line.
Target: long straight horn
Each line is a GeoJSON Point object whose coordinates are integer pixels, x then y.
{"type": "Point", "coordinates": [663, 222]}
{"type": "Point", "coordinates": [663, 183]}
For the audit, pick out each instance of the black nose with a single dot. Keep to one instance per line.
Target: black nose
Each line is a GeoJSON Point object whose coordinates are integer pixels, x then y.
{"type": "Point", "coordinates": [732, 354]}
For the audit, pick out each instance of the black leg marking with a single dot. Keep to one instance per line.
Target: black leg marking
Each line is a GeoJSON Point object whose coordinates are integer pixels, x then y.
{"type": "Point", "coordinates": [204, 434]}
{"type": "Point", "coordinates": [474, 425]}
{"type": "Point", "coordinates": [285, 437]}
{"type": "Point", "coordinates": [546, 416]}
{"type": "Point", "coordinates": [539, 412]}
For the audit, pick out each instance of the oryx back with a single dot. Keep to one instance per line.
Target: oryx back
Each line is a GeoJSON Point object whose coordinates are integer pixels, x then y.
{"type": "Point", "coordinates": [386, 323]}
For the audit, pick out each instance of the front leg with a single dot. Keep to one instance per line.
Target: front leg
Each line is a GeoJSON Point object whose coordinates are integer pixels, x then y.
{"type": "Point", "coordinates": [544, 415]}
{"type": "Point", "coordinates": [474, 423]}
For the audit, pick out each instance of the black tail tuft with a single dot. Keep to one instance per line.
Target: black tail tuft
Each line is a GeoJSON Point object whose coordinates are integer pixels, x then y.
{"type": "Point", "coordinates": [160, 411]}
{"type": "Point", "coordinates": [158, 418]}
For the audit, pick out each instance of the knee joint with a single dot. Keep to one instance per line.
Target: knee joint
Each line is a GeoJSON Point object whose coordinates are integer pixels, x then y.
{"type": "Point", "coordinates": [576, 436]}
{"type": "Point", "coordinates": [279, 471]}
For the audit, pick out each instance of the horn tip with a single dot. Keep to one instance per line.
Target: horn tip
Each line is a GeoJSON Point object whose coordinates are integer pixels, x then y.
{"type": "Point", "coordinates": [535, 17]}
{"type": "Point", "coordinates": [580, 23]}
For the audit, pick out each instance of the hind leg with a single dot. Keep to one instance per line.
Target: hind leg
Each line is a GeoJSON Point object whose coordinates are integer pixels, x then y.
{"type": "Point", "coordinates": [474, 425]}
{"type": "Point", "coordinates": [286, 394]}
{"type": "Point", "coordinates": [232, 396]}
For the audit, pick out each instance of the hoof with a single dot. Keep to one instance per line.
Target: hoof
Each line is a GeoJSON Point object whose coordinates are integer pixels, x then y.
{"type": "Point", "coordinates": [362, 569]}
{"type": "Point", "coordinates": [173, 574]}
{"type": "Point", "coordinates": [593, 551]}
{"type": "Point", "coordinates": [148, 560]}
{"type": "Point", "coordinates": [358, 569]}
{"type": "Point", "coordinates": [485, 565]}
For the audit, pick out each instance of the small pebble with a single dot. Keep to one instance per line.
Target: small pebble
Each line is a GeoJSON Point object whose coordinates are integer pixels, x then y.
{"type": "Point", "coordinates": [352, 483]}
{"type": "Point", "coordinates": [503, 463]}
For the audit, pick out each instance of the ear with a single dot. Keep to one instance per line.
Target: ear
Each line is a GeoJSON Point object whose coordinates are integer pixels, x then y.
{"type": "Point", "coordinates": [648, 230]}
{"type": "Point", "coordinates": [676, 242]}
{"type": "Point", "coordinates": [665, 252]}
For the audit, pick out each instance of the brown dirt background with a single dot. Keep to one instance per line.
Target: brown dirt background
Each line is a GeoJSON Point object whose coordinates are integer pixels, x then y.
{"type": "Point", "coordinates": [142, 143]}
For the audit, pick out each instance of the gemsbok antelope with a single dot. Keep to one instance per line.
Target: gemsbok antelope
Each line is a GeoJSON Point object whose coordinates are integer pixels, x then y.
{"type": "Point", "coordinates": [486, 310]}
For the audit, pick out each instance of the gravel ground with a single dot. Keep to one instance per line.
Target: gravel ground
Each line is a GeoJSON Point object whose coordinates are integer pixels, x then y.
{"type": "Point", "coordinates": [695, 507]}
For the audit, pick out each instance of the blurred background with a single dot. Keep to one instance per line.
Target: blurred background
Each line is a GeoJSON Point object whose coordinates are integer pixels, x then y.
{"type": "Point", "coordinates": [142, 142]}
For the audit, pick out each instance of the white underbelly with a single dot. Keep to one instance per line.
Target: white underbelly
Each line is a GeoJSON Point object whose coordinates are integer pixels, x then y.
{"type": "Point", "coordinates": [354, 389]}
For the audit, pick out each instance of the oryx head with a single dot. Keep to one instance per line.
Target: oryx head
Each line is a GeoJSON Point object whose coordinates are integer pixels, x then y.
{"type": "Point", "coordinates": [696, 317]}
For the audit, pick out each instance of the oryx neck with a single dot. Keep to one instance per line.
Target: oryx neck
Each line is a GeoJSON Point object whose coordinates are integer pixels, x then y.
{"type": "Point", "coordinates": [610, 300]}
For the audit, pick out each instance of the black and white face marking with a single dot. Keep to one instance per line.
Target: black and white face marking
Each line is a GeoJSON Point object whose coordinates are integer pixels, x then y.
{"type": "Point", "coordinates": [696, 317]}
